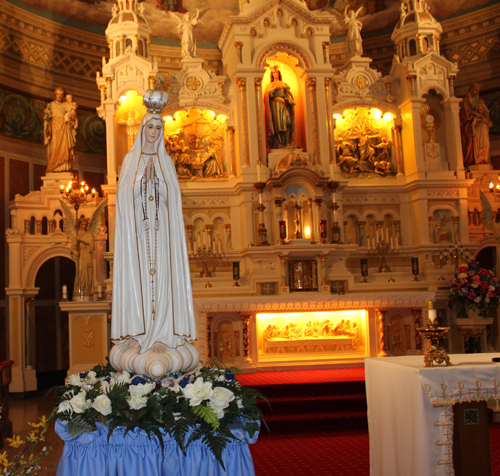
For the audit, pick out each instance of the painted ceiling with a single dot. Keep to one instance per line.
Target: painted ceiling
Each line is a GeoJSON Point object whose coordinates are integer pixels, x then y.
{"type": "Point", "coordinates": [94, 15]}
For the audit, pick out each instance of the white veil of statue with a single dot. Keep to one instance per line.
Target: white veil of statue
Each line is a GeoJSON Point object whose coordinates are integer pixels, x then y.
{"type": "Point", "coordinates": [152, 297]}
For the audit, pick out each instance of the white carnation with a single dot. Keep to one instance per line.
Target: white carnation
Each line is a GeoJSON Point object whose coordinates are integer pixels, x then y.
{"type": "Point", "coordinates": [221, 397]}
{"type": "Point", "coordinates": [102, 404]}
{"type": "Point", "coordinates": [123, 377]}
{"type": "Point", "coordinates": [137, 402]}
{"type": "Point", "coordinates": [91, 377]}
{"type": "Point", "coordinates": [78, 402]}
{"type": "Point", "coordinates": [198, 391]}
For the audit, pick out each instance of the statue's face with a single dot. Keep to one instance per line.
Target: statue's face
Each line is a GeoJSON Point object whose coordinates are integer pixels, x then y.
{"type": "Point", "coordinates": [475, 91]}
{"type": "Point", "coordinates": [83, 226]}
{"type": "Point", "coordinates": [59, 93]}
{"type": "Point", "coordinates": [153, 131]}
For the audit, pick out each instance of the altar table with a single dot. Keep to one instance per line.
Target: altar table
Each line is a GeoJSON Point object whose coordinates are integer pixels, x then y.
{"type": "Point", "coordinates": [135, 454]}
{"type": "Point", "coordinates": [410, 410]}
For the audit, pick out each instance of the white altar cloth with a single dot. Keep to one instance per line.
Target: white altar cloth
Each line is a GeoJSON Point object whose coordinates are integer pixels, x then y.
{"type": "Point", "coordinates": [410, 410]}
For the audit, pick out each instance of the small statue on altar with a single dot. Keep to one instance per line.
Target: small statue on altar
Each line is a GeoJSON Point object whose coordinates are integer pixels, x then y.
{"type": "Point", "coordinates": [59, 126]}
{"type": "Point", "coordinates": [280, 113]}
{"type": "Point", "coordinates": [185, 27]}
{"type": "Point", "coordinates": [475, 125]}
{"type": "Point", "coordinates": [153, 314]}
{"type": "Point", "coordinates": [82, 236]}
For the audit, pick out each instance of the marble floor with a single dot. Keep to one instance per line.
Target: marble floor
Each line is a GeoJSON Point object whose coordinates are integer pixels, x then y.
{"type": "Point", "coordinates": [29, 410]}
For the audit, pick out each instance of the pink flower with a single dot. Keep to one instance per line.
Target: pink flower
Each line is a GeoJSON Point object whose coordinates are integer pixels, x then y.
{"type": "Point", "coordinates": [490, 294]}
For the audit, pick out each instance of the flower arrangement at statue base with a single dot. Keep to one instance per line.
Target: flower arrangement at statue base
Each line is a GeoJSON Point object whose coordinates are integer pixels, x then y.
{"type": "Point", "coordinates": [26, 456]}
{"type": "Point", "coordinates": [474, 288]}
{"type": "Point", "coordinates": [206, 400]}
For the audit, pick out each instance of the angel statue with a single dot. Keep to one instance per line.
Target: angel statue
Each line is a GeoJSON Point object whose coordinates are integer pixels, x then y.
{"type": "Point", "coordinates": [153, 312]}
{"type": "Point", "coordinates": [82, 236]}
{"type": "Point", "coordinates": [353, 42]}
{"type": "Point", "coordinates": [185, 27]}
{"type": "Point", "coordinates": [491, 220]}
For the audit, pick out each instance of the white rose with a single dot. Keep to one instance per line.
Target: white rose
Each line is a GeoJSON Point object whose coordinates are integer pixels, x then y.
{"type": "Point", "coordinates": [219, 412]}
{"type": "Point", "coordinates": [491, 288]}
{"type": "Point", "coordinates": [74, 380]}
{"type": "Point", "coordinates": [137, 402]}
{"type": "Point", "coordinates": [239, 402]}
{"type": "Point", "coordinates": [221, 397]}
{"type": "Point", "coordinates": [198, 391]}
{"type": "Point", "coordinates": [102, 404]}
{"type": "Point", "coordinates": [64, 407]}
{"type": "Point", "coordinates": [141, 389]}
{"type": "Point", "coordinates": [176, 388]}
{"type": "Point", "coordinates": [91, 377]}
{"type": "Point", "coordinates": [78, 402]}
{"type": "Point", "coordinates": [478, 299]}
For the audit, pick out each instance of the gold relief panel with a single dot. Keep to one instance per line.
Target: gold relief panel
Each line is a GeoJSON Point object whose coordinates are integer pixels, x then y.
{"type": "Point", "coordinates": [288, 335]}
{"type": "Point", "coordinates": [196, 143]}
{"type": "Point", "coordinates": [363, 142]}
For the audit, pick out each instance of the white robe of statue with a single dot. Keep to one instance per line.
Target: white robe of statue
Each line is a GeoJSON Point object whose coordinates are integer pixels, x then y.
{"type": "Point", "coordinates": [155, 277]}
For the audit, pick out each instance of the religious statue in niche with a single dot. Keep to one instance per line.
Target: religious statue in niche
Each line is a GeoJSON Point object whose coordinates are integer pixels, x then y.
{"type": "Point", "coordinates": [362, 147]}
{"type": "Point", "coordinates": [475, 126]}
{"type": "Point", "coordinates": [185, 27]}
{"type": "Point", "coordinates": [196, 149]}
{"type": "Point", "coordinates": [353, 41]}
{"type": "Point", "coordinates": [280, 111]}
{"type": "Point", "coordinates": [153, 314]}
{"type": "Point", "coordinates": [59, 125]}
{"type": "Point", "coordinates": [82, 234]}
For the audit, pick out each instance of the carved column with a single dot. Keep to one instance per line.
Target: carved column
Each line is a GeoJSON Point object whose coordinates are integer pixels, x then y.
{"type": "Point", "coordinates": [283, 270]}
{"type": "Point", "coordinates": [246, 344]}
{"type": "Point", "coordinates": [329, 123]}
{"type": "Point", "coordinates": [209, 336]}
{"type": "Point", "coordinates": [311, 84]}
{"type": "Point", "coordinates": [278, 207]}
{"type": "Point", "coordinates": [227, 237]}
{"type": "Point", "coordinates": [399, 149]}
{"type": "Point", "coordinates": [317, 203]}
{"type": "Point", "coordinates": [28, 330]}
{"type": "Point", "coordinates": [189, 236]}
{"type": "Point", "coordinates": [412, 79]}
{"type": "Point", "coordinates": [383, 339]}
{"type": "Point", "coordinates": [417, 315]}
{"type": "Point", "coordinates": [456, 232]}
{"type": "Point", "coordinates": [242, 85]}
{"type": "Point", "coordinates": [260, 118]}
{"type": "Point", "coordinates": [397, 232]}
{"type": "Point", "coordinates": [232, 156]}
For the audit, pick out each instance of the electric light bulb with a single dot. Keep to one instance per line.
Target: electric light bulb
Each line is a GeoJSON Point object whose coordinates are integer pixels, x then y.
{"type": "Point", "coordinates": [337, 117]}
{"type": "Point", "coordinates": [376, 113]}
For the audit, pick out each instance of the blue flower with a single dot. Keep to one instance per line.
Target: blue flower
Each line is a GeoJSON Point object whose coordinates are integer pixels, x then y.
{"type": "Point", "coordinates": [229, 375]}
{"type": "Point", "coordinates": [83, 374]}
{"type": "Point", "coordinates": [137, 380]}
{"type": "Point", "coordinates": [473, 266]}
{"type": "Point", "coordinates": [184, 382]}
{"type": "Point", "coordinates": [107, 379]}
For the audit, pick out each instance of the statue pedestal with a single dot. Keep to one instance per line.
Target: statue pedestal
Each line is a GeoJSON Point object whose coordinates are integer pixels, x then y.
{"type": "Point", "coordinates": [280, 159]}
{"type": "Point", "coordinates": [481, 167]}
{"type": "Point", "coordinates": [432, 156]}
{"type": "Point", "coordinates": [56, 179]}
{"type": "Point", "coordinates": [88, 333]}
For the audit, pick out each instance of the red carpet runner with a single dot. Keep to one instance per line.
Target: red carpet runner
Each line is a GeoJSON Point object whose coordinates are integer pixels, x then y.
{"type": "Point", "coordinates": [318, 424]}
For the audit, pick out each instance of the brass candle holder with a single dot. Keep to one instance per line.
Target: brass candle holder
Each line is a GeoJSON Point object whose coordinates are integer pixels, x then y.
{"type": "Point", "coordinates": [436, 353]}
{"type": "Point", "coordinates": [206, 256]}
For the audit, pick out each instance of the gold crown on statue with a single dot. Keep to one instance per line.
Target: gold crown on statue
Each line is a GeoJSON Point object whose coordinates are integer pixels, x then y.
{"type": "Point", "coordinates": [155, 100]}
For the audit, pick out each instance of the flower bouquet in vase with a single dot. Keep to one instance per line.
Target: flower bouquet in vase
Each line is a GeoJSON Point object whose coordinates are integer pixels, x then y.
{"type": "Point", "coordinates": [475, 289]}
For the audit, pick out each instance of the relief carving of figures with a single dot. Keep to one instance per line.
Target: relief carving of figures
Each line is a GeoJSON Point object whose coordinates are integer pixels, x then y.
{"type": "Point", "coordinates": [491, 220]}
{"type": "Point", "coordinates": [185, 27]}
{"type": "Point", "coordinates": [82, 236]}
{"type": "Point", "coordinates": [279, 109]}
{"type": "Point", "coordinates": [60, 124]}
{"type": "Point", "coordinates": [442, 230]}
{"type": "Point", "coordinates": [197, 148]}
{"type": "Point", "coordinates": [362, 147]}
{"type": "Point", "coordinates": [475, 125]}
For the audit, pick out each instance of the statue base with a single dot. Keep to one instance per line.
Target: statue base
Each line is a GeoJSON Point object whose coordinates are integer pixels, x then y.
{"type": "Point", "coordinates": [152, 363]}
{"type": "Point", "coordinates": [56, 179]}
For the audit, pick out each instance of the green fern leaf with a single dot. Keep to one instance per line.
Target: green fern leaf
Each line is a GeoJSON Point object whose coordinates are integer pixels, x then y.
{"type": "Point", "coordinates": [208, 415]}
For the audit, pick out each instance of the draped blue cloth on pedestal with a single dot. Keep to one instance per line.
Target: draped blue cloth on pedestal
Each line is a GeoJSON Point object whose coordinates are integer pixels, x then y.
{"type": "Point", "coordinates": [135, 454]}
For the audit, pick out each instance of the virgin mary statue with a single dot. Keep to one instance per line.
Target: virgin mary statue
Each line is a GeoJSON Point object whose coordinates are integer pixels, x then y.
{"type": "Point", "coordinates": [153, 315]}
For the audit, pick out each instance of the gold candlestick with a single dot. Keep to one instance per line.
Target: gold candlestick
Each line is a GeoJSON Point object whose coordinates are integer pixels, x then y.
{"type": "Point", "coordinates": [436, 353]}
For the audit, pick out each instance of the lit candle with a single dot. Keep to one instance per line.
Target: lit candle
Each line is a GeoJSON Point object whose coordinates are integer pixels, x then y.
{"type": "Point", "coordinates": [331, 170]}
{"type": "Point", "coordinates": [387, 235]}
{"type": "Point", "coordinates": [65, 293]}
{"type": "Point", "coordinates": [432, 314]}
{"type": "Point", "coordinates": [392, 242]}
{"type": "Point", "coordinates": [189, 247]}
{"type": "Point", "coordinates": [258, 171]}
{"type": "Point", "coordinates": [219, 246]}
